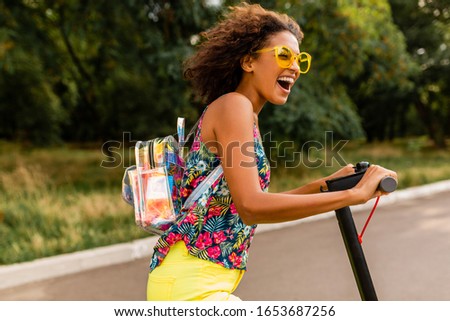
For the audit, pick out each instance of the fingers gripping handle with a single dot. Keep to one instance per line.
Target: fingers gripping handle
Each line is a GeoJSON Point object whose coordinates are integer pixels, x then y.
{"type": "Point", "coordinates": [388, 184]}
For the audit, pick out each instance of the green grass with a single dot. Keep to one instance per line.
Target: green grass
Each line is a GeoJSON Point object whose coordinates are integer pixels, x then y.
{"type": "Point", "coordinates": [57, 201]}
{"type": "Point", "coordinates": [60, 200]}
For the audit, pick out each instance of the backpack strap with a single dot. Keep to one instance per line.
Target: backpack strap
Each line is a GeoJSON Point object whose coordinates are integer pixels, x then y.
{"type": "Point", "coordinates": [140, 150]}
{"type": "Point", "coordinates": [180, 128]}
{"type": "Point", "coordinates": [209, 181]}
{"type": "Point", "coordinates": [192, 131]}
{"type": "Point", "coordinates": [180, 132]}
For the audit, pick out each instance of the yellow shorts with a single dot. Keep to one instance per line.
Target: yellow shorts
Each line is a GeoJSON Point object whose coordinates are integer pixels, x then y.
{"type": "Point", "coordinates": [183, 277]}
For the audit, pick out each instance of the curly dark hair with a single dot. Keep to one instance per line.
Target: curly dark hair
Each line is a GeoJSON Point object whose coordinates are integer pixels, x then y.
{"type": "Point", "coordinates": [215, 69]}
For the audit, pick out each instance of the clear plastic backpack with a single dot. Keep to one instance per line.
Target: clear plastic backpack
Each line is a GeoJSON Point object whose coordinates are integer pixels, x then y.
{"type": "Point", "coordinates": [152, 186]}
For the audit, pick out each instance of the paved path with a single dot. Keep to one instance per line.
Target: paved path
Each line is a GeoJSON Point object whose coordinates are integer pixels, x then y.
{"type": "Point", "coordinates": [407, 248]}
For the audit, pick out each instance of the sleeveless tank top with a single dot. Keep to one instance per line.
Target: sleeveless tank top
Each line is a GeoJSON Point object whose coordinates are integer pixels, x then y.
{"type": "Point", "coordinates": [212, 228]}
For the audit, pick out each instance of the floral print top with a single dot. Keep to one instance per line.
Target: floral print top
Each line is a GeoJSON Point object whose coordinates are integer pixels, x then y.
{"type": "Point", "coordinates": [211, 228]}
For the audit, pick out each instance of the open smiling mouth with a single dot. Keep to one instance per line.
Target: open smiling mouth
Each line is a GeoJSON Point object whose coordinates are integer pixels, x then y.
{"type": "Point", "coordinates": [285, 82]}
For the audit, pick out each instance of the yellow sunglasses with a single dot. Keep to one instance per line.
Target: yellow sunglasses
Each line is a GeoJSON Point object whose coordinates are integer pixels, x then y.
{"type": "Point", "coordinates": [285, 58]}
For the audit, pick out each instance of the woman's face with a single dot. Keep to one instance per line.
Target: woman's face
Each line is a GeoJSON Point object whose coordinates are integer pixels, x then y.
{"type": "Point", "coordinates": [267, 80]}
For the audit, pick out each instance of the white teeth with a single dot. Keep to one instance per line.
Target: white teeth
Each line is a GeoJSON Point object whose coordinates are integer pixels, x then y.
{"type": "Point", "coordinates": [286, 79]}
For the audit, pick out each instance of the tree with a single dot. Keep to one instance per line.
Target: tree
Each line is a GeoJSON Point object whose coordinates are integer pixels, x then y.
{"type": "Point", "coordinates": [107, 68]}
{"type": "Point", "coordinates": [426, 25]}
{"type": "Point", "coordinates": [30, 110]}
{"type": "Point", "coordinates": [92, 70]}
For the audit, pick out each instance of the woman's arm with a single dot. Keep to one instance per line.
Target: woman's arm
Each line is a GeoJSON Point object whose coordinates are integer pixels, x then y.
{"type": "Point", "coordinates": [232, 119]}
{"type": "Point", "coordinates": [315, 186]}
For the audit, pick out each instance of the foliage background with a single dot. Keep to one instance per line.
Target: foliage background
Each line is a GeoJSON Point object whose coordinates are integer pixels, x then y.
{"type": "Point", "coordinates": [84, 70]}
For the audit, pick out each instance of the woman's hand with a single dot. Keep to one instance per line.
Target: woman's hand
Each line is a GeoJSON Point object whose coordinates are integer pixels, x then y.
{"type": "Point", "coordinates": [367, 187]}
{"type": "Point", "coordinates": [344, 171]}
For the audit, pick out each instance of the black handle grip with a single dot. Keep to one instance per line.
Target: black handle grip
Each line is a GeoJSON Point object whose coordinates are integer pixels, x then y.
{"type": "Point", "coordinates": [388, 184]}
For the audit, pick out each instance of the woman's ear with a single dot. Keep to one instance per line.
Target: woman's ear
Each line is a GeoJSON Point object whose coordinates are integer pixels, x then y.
{"type": "Point", "coordinates": [247, 63]}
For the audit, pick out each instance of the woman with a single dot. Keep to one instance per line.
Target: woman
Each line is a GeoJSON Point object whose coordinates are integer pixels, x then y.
{"type": "Point", "coordinates": [250, 58]}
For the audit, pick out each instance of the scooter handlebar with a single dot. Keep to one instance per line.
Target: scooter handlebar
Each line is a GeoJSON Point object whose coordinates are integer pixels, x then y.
{"type": "Point", "coordinates": [388, 184]}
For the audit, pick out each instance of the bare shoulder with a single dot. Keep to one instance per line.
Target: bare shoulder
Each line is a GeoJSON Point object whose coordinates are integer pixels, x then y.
{"type": "Point", "coordinates": [233, 99]}
{"type": "Point", "coordinates": [230, 115]}
{"type": "Point", "coordinates": [231, 108]}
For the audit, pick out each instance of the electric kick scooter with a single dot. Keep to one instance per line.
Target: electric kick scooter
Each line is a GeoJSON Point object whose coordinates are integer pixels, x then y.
{"type": "Point", "coordinates": [349, 233]}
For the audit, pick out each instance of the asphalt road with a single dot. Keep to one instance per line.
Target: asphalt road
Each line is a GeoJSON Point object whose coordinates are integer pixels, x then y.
{"type": "Point", "coordinates": [407, 248]}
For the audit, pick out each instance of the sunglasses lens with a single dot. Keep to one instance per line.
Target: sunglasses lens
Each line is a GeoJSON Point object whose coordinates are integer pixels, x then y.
{"type": "Point", "coordinates": [284, 56]}
{"type": "Point", "coordinates": [304, 62]}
